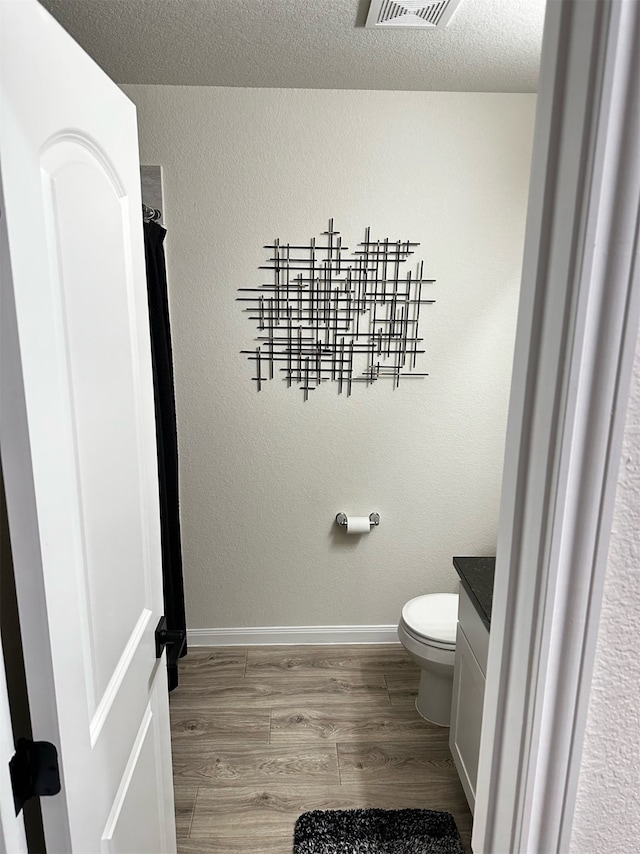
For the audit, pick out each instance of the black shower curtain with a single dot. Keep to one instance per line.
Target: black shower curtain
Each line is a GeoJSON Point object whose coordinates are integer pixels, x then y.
{"type": "Point", "coordinates": [166, 435]}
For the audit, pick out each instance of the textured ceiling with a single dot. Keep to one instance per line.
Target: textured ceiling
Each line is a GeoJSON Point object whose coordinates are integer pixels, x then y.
{"type": "Point", "coordinates": [490, 45]}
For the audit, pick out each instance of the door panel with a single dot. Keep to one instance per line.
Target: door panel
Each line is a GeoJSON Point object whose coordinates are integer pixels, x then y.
{"type": "Point", "coordinates": [103, 392]}
{"type": "Point", "coordinates": [142, 790]}
{"type": "Point", "coordinates": [137, 795]}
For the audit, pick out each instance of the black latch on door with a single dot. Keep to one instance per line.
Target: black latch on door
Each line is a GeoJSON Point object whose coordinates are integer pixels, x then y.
{"type": "Point", "coordinates": [34, 771]}
{"type": "Point", "coordinates": [173, 638]}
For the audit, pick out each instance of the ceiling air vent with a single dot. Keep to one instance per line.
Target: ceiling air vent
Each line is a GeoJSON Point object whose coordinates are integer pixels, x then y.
{"type": "Point", "coordinates": [411, 13]}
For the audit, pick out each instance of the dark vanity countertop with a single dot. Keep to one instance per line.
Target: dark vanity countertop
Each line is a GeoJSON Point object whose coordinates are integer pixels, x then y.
{"type": "Point", "coordinates": [476, 575]}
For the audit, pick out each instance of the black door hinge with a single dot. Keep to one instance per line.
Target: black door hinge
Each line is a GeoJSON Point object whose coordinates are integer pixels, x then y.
{"type": "Point", "coordinates": [34, 771]}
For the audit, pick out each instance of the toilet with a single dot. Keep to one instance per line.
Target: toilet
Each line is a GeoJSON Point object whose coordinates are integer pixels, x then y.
{"type": "Point", "coordinates": [427, 630]}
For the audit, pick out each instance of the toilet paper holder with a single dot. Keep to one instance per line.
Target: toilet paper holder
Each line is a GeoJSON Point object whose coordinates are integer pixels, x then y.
{"type": "Point", "coordinates": [341, 519]}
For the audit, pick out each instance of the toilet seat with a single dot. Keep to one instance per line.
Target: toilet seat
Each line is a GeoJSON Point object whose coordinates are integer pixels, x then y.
{"type": "Point", "coordinates": [432, 619]}
{"type": "Point", "coordinates": [426, 642]}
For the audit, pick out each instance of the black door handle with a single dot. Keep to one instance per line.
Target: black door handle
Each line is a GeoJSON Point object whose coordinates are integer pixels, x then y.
{"type": "Point", "coordinates": [173, 638]}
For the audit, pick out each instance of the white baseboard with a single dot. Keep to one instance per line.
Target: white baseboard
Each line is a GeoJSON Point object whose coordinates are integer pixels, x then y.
{"type": "Point", "coordinates": [262, 635]}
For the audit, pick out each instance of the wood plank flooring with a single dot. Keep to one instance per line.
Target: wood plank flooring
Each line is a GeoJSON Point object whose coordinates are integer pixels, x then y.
{"type": "Point", "coordinates": [263, 734]}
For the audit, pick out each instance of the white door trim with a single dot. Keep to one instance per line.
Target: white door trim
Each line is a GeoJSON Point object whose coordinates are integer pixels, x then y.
{"type": "Point", "coordinates": [577, 329]}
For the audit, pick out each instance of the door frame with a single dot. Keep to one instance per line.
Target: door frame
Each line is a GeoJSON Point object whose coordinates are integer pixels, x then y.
{"type": "Point", "coordinates": [575, 345]}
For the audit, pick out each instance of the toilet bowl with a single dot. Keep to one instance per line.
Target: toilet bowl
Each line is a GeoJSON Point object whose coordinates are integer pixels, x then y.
{"type": "Point", "coordinates": [427, 630]}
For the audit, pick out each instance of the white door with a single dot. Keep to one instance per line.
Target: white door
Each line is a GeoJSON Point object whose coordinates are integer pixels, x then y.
{"type": "Point", "coordinates": [78, 440]}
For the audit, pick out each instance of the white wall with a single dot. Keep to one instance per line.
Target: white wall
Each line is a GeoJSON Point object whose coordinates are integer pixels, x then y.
{"type": "Point", "coordinates": [263, 474]}
{"type": "Point", "coordinates": [607, 816]}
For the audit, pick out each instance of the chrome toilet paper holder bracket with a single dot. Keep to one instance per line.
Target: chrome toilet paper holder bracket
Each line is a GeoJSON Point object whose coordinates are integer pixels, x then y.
{"type": "Point", "coordinates": [341, 519]}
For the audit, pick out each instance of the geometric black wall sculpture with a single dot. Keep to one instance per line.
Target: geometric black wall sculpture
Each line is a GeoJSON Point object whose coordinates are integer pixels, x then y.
{"type": "Point", "coordinates": [327, 315]}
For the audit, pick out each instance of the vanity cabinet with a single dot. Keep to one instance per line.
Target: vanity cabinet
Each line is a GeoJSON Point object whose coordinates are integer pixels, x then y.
{"type": "Point", "coordinates": [472, 647]}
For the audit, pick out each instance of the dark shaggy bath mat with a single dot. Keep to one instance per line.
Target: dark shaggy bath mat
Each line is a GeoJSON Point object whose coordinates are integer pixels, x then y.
{"type": "Point", "coordinates": [376, 832]}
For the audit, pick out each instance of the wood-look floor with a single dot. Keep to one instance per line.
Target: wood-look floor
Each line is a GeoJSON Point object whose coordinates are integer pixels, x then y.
{"type": "Point", "coordinates": [263, 734]}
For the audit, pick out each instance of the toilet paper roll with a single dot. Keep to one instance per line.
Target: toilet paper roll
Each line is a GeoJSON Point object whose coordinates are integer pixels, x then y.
{"type": "Point", "coordinates": [358, 525]}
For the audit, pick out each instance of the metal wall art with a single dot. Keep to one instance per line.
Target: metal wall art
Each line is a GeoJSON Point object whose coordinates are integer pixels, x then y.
{"type": "Point", "coordinates": [327, 315]}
